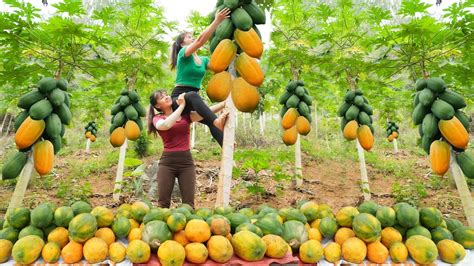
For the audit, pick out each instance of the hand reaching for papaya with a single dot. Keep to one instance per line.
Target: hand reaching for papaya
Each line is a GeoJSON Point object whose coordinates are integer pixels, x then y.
{"type": "Point", "coordinates": [222, 14]}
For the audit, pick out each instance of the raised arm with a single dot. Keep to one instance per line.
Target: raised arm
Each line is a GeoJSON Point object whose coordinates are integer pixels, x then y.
{"type": "Point", "coordinates": [195, 117]}
{"type": "Point", "coordinates": [165, 124]}
{"type": "Point", "coordinates": [204, 37]}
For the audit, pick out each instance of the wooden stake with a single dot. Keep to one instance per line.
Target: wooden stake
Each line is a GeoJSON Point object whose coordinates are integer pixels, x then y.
{"type": "Point", "coordinates": [395, 146]}
{"type": "Point", "coordinates": [227, 160]}
{"type": "Point", "coordinates": [463, 190]}
{"type": "Point", "coordinates": [363, 172]}
{"type": "Point", "coordinates": [21, 185]}
{"type": "Point", "coordinates": [298, 167]}
{"type": "Point", "coordinates": [119, 175]}
{"type": "Point", "coordinates": [88, 146]}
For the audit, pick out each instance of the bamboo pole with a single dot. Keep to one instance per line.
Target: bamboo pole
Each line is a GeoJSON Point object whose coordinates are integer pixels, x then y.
{"type": "Point", "coordinates": [119, 174]}
{"type": "Point", "coordinates": [395, 146]}
{"type": "Point", "coordinates": [463, 190]}
{"type": "Point", "coordinates": [21, 185]}
{"type": "Point", "coordinates": [363, 172]}
{"type": "Point", "coordinates": [88, 146]}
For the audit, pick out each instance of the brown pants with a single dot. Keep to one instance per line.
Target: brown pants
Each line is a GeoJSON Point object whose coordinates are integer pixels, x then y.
{"type": "Point", "coordinates": [178, 164]}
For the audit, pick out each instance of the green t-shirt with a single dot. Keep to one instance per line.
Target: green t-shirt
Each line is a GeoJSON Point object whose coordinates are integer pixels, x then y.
{"type": "Point", "coordinates": [188, 72]}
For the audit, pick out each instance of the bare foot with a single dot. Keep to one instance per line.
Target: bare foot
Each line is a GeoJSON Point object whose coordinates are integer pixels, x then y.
{"type": "Point", "coordinates": [221, 120]}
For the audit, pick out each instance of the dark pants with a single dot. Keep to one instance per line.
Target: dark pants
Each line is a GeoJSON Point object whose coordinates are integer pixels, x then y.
{"type": "Point", "coordinates": [178, 164]}
{"type": "Point", "coordinates": [194, 102]}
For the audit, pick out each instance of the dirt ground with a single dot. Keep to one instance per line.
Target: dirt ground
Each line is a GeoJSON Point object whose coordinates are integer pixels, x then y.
{"type": "Point", "coordinates": [325, 181]}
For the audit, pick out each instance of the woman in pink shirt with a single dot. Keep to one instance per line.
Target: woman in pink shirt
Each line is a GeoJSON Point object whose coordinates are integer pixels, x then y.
{"type": "Point", "coordinates": [176, 160]}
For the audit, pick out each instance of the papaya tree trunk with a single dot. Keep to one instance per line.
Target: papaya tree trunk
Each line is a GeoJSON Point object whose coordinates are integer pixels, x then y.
{"type": "Point", "coordinates": [236, 120]}
{"type": "Point", "coordinates": [316, 125]}
{"type": "Point", "coordinates": [363, 172]}
{"type": "Point", "coordinates": [119, 175]}
{"type": "Point", "coordinates": [395, 146]}
{"type": "Point", "coordinates": [3, 123]}
{"type": "Point", "coordinates": [298, 168]}
{"type": "Point", "coordinates": [88, 146]}
{"type": "Point", "coordinates": [59, 71]}
{"type": "Point", "coordinates": [227, 160]}
{"type": "Point", "coordinates": [9, 124]}
{"type": "Point", "coordinates": [193, 135]}
{"type": "Point", "coordinates": [463, 190]}
{"type": "Point", "coordinates": [21, 185]}
{"type": "Point", "coordinates": [261, 124]}
{"type": "Point", "coordinates": [363, 168]}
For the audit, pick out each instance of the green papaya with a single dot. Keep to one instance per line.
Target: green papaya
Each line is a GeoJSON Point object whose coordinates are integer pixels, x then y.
{"type": "Point", "coordinates": [19, 119]}
{"type": "Point", "coordinates": [255, 12]}
{"type": "Point", "coordinates": [299, 91]}
{"type": "Point", "coordinates": [292, 101]}
{"type": "Point", "coordinates": [131, 113]}
{"type": "Point", "coordinates": [349, 97]}
{"type": "Point", "coordinates": [284, 97]}
{"type": "Point", "coordinates": [30, 98]}
{"type": "Point", "coordinates": [419, 114]}
{"type": "Point", "coordinates": [241, 19]}
{"type": "Point", "coordinates": [12, 168]}
{"type": "Point", "coordinates": [442, 109]}
{"type": "Point", "coordinates": [53, 125]}
{"type": "Point", "coordinates": [466, 163]}
{"type": "Point", "coordinates": [426, 97]}
{"type": "Point", "coordinates": [343, 109]}
{"type": "Point", "coordinates": [436, 85]}
{"type": "Point", "coordinates": [140, 109]}
{"type": "Point", "coordinates": [45, 85]}
{"type": "Point", "coordinates": [454, 99]}
{"type": "Point", "coordinates": [352, 113]}
{"type": "Point", "coordinates": [56, 97]}
{"type": "Point", "coordinates": [40, 110]}
{"type": "Point", "coordinates": [133, 95]}
{"type": "Point", "coordinates": [64, 113]}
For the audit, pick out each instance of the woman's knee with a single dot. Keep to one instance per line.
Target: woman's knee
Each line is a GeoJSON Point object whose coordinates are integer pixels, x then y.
{"type": "Point", "coordinates": [191, 95]}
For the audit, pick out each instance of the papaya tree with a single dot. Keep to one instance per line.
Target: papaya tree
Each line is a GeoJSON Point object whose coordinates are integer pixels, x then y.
{"type": "Point", "coordinates": [134, 55]}
{"type": "Point", "coordinates": [55, 47]}
{"type": "Point", "coordinates": [288, 58]}
{"type": "Point", "coordinates": [429, 52]}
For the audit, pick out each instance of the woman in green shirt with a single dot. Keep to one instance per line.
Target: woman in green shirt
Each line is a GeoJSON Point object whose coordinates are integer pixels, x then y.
{"type": "Point", "coordinates": [190, 70]}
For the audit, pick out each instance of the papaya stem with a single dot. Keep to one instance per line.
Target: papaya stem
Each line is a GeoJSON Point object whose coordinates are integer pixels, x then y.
{"type": "Point", "coordinates": [57, 74]}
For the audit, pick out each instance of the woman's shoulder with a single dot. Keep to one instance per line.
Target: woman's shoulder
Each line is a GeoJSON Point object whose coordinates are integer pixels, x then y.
{"type": "Point", "coordinates": [158, 117]}
{"type": "Point", "coordinates": [181, 52]}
